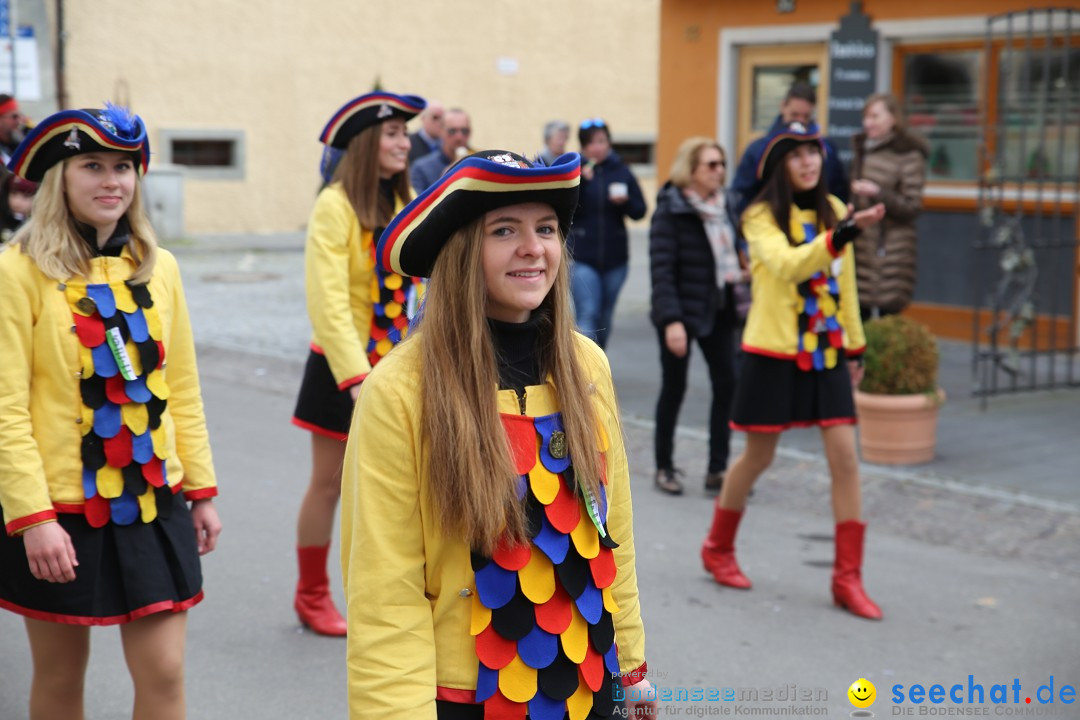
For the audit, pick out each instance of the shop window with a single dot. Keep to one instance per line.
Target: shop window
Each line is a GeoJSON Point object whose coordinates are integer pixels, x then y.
{"type": "Point", "coordinates": [941, 93]}
{"type": "Point", "coordinates": [206, 154]}
{"type": "Point", "coordinates": [1040, 134]}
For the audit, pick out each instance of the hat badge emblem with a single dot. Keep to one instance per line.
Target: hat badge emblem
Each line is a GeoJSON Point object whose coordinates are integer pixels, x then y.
{"type": "Point", "coordinates": [73, 140]}
{"type": "Point", "coordinates": [504, 159]}
{"type": "Point", "coordinates": [384, 111]}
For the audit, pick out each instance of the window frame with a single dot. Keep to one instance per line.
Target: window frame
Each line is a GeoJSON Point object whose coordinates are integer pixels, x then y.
{"type": "Point", "coordinates": [235, 171]}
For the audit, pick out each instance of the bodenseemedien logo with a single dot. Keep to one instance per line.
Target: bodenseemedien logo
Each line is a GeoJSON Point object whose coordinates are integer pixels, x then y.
{"type": "Point", "coordinates": [862, 695]}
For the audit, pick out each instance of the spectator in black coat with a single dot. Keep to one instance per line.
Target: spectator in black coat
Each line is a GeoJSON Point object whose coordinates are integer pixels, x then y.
{"type": "Point", "coordinates": [695, 265]}
{"type": "Point", "coordinates": [598, 242]}
{"type": "Point", "coordinates": [798, 106]}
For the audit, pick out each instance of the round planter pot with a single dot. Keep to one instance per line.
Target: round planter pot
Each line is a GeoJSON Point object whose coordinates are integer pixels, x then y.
{"type": "Point", "coordinates": [898, 429]}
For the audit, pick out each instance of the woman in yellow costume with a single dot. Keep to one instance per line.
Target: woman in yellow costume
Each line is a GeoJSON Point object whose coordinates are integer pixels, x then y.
{"type": "Point", "coordinates": [102, 433]}
{"type": "Point", "coordinates": [802, 350]}
{"type": "Point", "coordinates": [358, 313]}
{"type": "Point", "coordinates": [487, 541]}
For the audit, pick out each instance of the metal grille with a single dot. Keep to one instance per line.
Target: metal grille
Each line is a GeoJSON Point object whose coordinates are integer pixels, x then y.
{"type": "Point", "coordinates": [1025, 320]}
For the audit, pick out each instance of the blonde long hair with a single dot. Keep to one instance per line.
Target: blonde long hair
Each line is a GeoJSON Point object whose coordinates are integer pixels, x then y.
{"type": "Point", "coordinates": [52, 240]}
{"type": "Point", "coordinates": [358, 173]}
{"type": "Point", "coordinates": [473, 480]}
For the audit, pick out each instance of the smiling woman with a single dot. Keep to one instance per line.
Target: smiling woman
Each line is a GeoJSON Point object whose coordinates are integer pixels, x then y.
{"type": "Point", "coordinates": [97, 528]}
{"type": "Point", "coordinates": [358, 313]}
{"type": "Point", "coordinates": [521, 257]}
{"type": "Point", "coordinates": [487, 542]}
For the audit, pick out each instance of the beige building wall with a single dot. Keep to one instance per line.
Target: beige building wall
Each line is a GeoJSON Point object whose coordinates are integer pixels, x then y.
{"type": "Point", "coordinates": [276, 71]}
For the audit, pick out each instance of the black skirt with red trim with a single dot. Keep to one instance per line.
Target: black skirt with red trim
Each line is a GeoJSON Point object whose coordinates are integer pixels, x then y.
{"type": "Point", "coordinates": [321, 407]}
{"type": "Point", "coordinates": [774, 395]}
{"type": "Point", "coordinates": [125, 572]}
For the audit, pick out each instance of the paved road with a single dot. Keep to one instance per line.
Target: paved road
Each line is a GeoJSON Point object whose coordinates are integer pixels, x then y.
{"type": "Point", "coordinates": [974, 581]}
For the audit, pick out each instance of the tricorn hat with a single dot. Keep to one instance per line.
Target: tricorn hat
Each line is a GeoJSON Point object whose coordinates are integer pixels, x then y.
{"type": "Point", "coordinates": [365, 111]}
{"type": "Point", "coordinates": [475, 185]}
{"type": "Point", "coordinates": [76, 132]}
{"type": "Point", "coordinates": [782, 140]}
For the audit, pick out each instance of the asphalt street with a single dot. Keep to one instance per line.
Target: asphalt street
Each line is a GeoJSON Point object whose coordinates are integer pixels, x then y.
{"type": "Point", "coordinates": [976, 565]}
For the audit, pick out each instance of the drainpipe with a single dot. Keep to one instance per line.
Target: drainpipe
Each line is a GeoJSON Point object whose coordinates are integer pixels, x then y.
{"type": "Point", "coordinates": [61, 35]}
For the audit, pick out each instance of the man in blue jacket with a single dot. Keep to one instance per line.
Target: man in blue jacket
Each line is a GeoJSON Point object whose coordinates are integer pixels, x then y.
{"type": "Point", "coordinates": [798, 106]}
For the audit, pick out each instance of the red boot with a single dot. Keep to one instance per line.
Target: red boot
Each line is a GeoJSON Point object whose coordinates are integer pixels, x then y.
{"type": "Point", "coordinates": [313, 603]}
{"type": "Point", "coordinates": [718, 552]}
{"type": "Point", "coordinates": [847, 589]}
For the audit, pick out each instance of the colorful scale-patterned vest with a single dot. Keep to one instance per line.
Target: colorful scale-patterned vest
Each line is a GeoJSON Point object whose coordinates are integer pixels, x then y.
{"type": "Point", "coordinates": [542, 612]}
{"type": "Point", "coordinates": [124, 394]}
{"type": "Point", "coordinates": [820, 334]}
{"type": "Point", "coordinates": [396, 299]}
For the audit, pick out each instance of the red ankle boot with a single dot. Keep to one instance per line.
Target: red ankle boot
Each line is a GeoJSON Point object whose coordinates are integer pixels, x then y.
{"type": "Point", "coordinates": [313, 603]}
{"type": "Point", "coordinates": [847, 589]}
{"type": "Point", "coordinates": [718, 552]}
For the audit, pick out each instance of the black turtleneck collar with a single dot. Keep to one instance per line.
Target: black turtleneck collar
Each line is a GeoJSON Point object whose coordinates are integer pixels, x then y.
{"type": "Point", "coordinates": [114, 245]}
{"type": "Point", "coordinates": [805, 200]}
{"type": "Point", "coordinates": [516, 352]}
{"type": "Point", "coordinates": [386, 189]}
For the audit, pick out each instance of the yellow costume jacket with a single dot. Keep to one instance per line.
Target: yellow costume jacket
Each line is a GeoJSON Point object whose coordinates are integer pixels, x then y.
{"type": "Point", "coordinates": [411, 591]}
{"type": "Point", "coordinates": [778, 268]}
{"type": "Point", "coordinates": [342, 286]}
{"type": "Point", "coordinates": [42, 417]}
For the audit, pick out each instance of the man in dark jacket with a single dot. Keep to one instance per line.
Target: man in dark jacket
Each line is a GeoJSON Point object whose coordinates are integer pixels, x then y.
{"type": "Point", "coordinates": [798, 106]}
{"type": "Point", "coordinates": [425, 171]}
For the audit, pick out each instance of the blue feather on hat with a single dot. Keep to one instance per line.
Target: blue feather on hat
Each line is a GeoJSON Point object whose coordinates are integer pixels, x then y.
{"type": "Point", "coordinates": [121, 118]}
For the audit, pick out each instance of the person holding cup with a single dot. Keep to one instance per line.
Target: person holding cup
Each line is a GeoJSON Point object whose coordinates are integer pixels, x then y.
{"type": "Point", "coordinates": [598, 241]}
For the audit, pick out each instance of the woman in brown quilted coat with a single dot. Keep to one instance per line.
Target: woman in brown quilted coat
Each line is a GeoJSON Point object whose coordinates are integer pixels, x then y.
{"type": "Point", "coordinates": [889, 167]}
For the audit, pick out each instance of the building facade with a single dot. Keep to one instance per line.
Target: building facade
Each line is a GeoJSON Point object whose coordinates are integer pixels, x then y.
{"type": "Point", "coordinates": [1003, 152]}
{"type": "Point", "coordinates": [236, 94]}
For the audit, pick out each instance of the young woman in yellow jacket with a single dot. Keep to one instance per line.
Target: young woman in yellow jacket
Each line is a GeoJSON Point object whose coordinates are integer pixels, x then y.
{"type": "Point", "coordinates": [801, 349]}
{"type": "Point", "coordinates": [102, 434]}
{"type": "Point", "coordinates": [357, 311]}
{"type": "Point", "coordinates": [487, 531]}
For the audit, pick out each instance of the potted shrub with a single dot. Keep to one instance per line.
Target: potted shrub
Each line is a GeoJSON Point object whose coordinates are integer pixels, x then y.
{"type": "Point", "coordinates": [898, 399]}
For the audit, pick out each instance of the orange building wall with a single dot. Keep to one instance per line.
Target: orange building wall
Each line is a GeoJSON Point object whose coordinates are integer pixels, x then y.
{"type": "Point", "coordinates": [689, 49]}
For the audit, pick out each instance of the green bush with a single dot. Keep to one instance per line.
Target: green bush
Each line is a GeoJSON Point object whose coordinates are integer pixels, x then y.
{"type": "Point", "coordinates": [901, 357]}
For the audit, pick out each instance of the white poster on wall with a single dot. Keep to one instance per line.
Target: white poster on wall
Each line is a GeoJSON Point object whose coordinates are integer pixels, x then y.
{"type": "Point", "coordinates": [27, 73]}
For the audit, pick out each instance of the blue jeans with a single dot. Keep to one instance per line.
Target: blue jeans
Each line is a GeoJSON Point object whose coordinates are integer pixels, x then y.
{"type": "Point", "coordinates": [595, 293]}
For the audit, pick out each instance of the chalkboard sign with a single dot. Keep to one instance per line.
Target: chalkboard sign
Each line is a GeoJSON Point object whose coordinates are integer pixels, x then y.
{"type": "Point", "coordinates": [853, 53]}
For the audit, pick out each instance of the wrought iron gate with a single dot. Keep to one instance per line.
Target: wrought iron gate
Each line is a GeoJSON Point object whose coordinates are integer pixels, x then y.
{"type": "Point", "coordinates": [1026, 307]}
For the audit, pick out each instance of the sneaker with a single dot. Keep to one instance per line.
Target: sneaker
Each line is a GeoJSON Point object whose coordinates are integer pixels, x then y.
{"type": "Point", "coordinates": [714, 481]}
{"type": "Point", "coordinates": [667, 480]}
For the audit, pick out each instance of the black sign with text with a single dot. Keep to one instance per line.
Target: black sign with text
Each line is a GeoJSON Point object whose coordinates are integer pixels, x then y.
{"type": "Point", "coordinates": [853, 54]}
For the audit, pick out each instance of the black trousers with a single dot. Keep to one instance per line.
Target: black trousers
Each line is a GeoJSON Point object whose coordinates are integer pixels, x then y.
{"type": "Point", "coordinates": [718, 347]}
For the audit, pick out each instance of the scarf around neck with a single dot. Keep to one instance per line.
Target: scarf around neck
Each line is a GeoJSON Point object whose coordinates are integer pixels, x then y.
{"type": "Point", "coordinates": [713, 213]}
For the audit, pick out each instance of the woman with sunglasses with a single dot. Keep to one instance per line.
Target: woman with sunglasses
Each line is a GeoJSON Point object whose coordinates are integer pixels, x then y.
{"type": "Point", "coordinates": [487, 536]}
{"type": "Point", "coordinates": [801, 350]}
{"type": "Point", "coordinates": [694, 263]}
{"type": "Point", "coordinates": [102, 436]}
{"type": "Point", "coordinates": [357, 311]}
{"type": "Point", "coordinates": [598, 242]}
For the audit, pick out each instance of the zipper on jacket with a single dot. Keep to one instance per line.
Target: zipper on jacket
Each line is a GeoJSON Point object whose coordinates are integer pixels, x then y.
{"type": "Point", "coordinates": [521, 398]}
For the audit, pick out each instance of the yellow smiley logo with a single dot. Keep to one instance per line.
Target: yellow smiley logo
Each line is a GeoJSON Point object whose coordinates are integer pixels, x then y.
{"type": "Point", "coordinates": [862, 693]}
